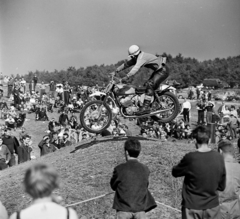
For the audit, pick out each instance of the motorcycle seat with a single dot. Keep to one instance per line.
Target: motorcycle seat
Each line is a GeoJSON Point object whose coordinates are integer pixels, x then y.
{"type": "Point", "coordinates": [140, 90]}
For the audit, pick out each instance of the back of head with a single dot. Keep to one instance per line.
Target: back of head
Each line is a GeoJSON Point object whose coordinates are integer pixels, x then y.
{"type": "Point", "coordinates": [133, 147]}
{"type": "Point", "coordinates": [40, 180]}
{"type": "Point", "coordinates": [201, 134]}
{"type": "Point", "coordinates": [226, 147]}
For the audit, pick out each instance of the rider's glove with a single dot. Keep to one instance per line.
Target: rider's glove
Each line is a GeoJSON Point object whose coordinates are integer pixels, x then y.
{"type": "Point", "coordinates": [125, 80]}
{"type": "Point", "coordinates": [112, 74]}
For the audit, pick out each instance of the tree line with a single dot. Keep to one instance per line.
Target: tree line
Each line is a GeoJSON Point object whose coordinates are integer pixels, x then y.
{"type": "Point", "coordinates": [186, 71]}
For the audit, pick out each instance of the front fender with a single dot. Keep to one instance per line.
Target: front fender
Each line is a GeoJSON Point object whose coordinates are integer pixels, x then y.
{"type": "Point", "coordinates": [97, 93]}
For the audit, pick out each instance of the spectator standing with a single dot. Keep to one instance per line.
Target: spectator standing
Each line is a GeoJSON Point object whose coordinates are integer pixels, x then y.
{"type": "Point", "coordinates": [35, 80]}
{"type": "Point", "coordinates": [24, 150]}
{"type": "Point", "coordinates": [209, 95]}
{"type": "Point", "coordinates": [130, 182]}
{"type": "Point", "coordinates": [233, 125]}
{"type": "Point", "coordinates": [10, 86]}
{"type": "Point", "coordinates": [23, 85]}
{"type": "Point", "coordinates": [201, 109]}
{"type": "Point", "coordinates": [66, 93]}
{"type": "Point", "coordinates": [52, 89]}
{"type": "Point", "coordinates": [30, 86]}
{"type": "Point", "coordinates": [230, 197]}
{"type": "Point", "coordinates": [205, 175]}
{"type": "Point", "coordinates": [186, 107]}
{"type": "Point", "coordinates": [39, 182]}
{"type": "Point", "coordinates": [5, 155]}
{"type": "Point", "coordinates": [198, 93]}
{"type": "Point", "coordinates": [209, 115]}
{"type": "Point", "coordinates": [42, 89]}
{"type": "Point", "coordinates": [12, 144]}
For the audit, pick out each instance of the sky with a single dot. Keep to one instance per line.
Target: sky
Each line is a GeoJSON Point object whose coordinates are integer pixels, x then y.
{"type": "Point", "coordinates": [56, 34]}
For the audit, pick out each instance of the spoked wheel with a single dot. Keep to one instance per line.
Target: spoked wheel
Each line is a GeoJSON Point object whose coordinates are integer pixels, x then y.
{"type": "Point", "coordinates": [169, 106]}
{"type": "Point", "coordinates": [96, 116]}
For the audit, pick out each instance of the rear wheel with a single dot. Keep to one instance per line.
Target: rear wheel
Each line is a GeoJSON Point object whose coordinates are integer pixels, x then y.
{"type": "Point", "coordinates": [96, 116]}
{"type": "Point", "coordinates": [169, 104]}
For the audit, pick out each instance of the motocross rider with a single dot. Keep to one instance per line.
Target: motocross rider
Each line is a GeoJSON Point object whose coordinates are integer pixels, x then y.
{"type": "Point", "coordinates": [139, 59]}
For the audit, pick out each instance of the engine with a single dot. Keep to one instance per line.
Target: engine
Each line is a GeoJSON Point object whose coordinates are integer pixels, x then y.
{"type": "Point", "coordinates": [131, 110]}
{"type": "Point", "coordinates": [130, 104]}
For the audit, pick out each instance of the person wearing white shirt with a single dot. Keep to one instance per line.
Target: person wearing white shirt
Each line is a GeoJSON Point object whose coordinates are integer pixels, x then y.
{"type": "Point", "coordinates": [186, 107]}
{"type": "Point", "coordinates": [39, 182]}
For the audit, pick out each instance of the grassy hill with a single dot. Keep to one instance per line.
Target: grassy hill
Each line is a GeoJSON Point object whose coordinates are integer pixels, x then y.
{"type": "Point", "coordinates": [86, 171]}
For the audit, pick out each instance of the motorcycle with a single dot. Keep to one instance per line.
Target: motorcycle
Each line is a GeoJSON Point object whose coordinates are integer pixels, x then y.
{"type": "Point", "coordinates": [96, 115]}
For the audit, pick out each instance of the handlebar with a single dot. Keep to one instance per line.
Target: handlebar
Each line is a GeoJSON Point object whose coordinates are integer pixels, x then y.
{"type": "Point", "coordinates": [112, 76]}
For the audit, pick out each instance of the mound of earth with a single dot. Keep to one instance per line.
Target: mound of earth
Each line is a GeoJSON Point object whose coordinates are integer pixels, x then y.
{"type": "Point", "coordinates": [86, 170]}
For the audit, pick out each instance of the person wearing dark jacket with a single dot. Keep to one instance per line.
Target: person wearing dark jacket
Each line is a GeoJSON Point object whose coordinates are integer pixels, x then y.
{"type": "Point", "coordinates": [24, 150]}
{"type": "Point", "coordinates": [205, 175]}
{"type": "Point", "coordinates": [130, 182]}
{"type": "Point", "coordinates": [63, 119]}
{"type": "Point", "coordinates": [35, 80]}
{"type": "Point", "coordinates": [47, 147]}
{"type": "Point", "coordinates": [12, 143]}
{"type": "Point", "coordinates": [64, 141]}
{"type": "Point", "coordinates": [52, 124]}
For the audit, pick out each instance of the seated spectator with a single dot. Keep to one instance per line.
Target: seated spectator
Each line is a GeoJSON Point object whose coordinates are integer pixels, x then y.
{"type": "Point", "coordinates": [188, 132]}
{"type": "Point", "coordinates": [20, 118]}
{"type": "Point", "coordinates": [52, 125]}
{"type": "Point", "coordinates": [233, 111]}
{"type": "Point", "coordinates": [42, 114]}
{"type": "Point", "coordinates": [24, 150]}
{"type": "Point", "coordinates": [5, 155]}
{"type": "Point", "coordinates": [73, 121]}
{"type": "Point", "coordinates": [63, 118]}
{"type": "Point", "coordinates": [46, 146]}
{"type": "Point", "coordinates": [230, 197]}
{"type": "Point", "coordinates": [39, 182]}
{"type": "Point", "coordinates": [54, 139]}
{"type": "Point", "coordinates": [65, 141]}
{"type": "Point", "coordinates": [10, 122]}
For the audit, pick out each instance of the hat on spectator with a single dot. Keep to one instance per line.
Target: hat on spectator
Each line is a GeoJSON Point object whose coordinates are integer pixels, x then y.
{"type": "Point", "coordinates": [45, 137]}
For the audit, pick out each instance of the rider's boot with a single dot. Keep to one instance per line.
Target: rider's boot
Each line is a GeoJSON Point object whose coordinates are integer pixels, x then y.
{"type": "Point", "coordinates": [145, 109]}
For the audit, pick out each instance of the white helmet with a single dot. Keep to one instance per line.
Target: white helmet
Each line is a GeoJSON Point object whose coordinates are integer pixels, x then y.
{"type": "Point", "coordinates": [134, 50]}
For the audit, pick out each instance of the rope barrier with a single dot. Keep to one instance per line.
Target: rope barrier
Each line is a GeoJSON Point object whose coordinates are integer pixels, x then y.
{"type": "Point", "coordinates": [168, 206]}
{"type": "Point", "coordinates": [101, 196]}
{"type": "Point", "coordinates": [90, 199]}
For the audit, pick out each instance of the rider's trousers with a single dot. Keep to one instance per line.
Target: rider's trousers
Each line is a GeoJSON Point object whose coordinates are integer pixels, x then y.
{"type": "Point", "coordinates": [156, 79]}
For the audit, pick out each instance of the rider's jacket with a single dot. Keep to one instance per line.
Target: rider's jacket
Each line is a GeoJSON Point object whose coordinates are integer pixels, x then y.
{"type": "Point", "coordinates": [144, 59]}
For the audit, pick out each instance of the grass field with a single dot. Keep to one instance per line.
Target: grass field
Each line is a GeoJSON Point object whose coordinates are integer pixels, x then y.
{"type": "Point", "coordinates": [85, 170]}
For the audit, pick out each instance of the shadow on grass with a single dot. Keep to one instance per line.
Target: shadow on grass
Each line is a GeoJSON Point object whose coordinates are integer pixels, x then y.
{"type": "Point", "coordinates": [110, 139]}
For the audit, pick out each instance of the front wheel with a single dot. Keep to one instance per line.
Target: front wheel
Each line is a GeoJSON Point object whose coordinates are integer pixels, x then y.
{"type": "Point", "coordinates": [96, 116]}
{"type": "Point", "coordinates": [169, 104]}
